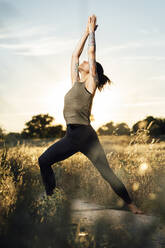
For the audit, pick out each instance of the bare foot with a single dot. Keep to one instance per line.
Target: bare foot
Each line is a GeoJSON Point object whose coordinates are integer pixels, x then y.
{"type": "Point", "coordinates": [134, 209]}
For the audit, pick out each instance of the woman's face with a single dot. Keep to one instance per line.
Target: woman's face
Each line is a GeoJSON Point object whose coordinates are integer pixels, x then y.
{"type": "Point", "coordinates": [84, 66]}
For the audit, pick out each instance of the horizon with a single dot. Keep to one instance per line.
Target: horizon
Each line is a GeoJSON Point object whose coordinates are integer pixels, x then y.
{"type": "Point", "coordinates": [64, 127]}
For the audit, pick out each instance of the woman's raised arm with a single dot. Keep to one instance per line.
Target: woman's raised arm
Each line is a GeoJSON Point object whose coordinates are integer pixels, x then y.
{"type": "Point", "coordinates": [77, 52]}
{"type": "Point", "coordinates": [79, 48]}
{"type": "Point", "coordinates": [75, 56]}
{"type": "Point", "coordinates": [93, 77]}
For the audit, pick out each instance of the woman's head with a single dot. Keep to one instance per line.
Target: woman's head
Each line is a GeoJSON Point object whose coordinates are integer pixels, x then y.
{"type": "Point", "coordinates": [103, 79]}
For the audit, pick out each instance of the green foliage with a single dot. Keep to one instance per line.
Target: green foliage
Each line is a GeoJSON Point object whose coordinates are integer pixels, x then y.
{"type": "Point", "coordinates": [13, 138]}
{"type": "Point", "coordinates": [118, 129]}
{"type": "Point", "coordinates": [30, 220]}
{"type": "Point", "coordinates": [2, 134]}
{"type": "Point", "coordinates": [40, 127]}
{"type": "Point", "coordinates": [149, 128]}
{"type": "Point", "coordinates": [155, 126]}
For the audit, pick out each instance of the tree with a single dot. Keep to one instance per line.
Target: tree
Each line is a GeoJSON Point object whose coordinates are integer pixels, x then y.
{"type": "Point", "coordinates": [40, 127]}
{"type": "Point", "coordinates": [55, 131]}
{"type": "Point", "coordinates": [122, 129]}
{"type": "Point", "coordinates": [157, 127]}
{"type": "Point", "coordinates": [106, 129]}
{"type": "Point", "coordinates": [154, 126]}
{"type": "Point", "coordinates": [143, 124]}
{"type": "Point", "coordinates": [13, 137]}
{"type": "Point", "coordinates": [2, 133]}
{"type": "Point", "coordinates": [110, 129]}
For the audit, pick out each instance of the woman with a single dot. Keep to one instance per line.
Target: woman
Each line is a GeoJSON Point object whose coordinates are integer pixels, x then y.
{"type": "Point", "coordinates": [80, 135]}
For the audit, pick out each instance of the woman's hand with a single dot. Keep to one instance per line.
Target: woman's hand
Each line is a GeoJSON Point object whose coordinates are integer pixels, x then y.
{"type": "Point", "coordinates": [91, 26]}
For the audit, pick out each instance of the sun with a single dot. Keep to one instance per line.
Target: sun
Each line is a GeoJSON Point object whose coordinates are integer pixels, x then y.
{"type": "Point", "coordinates": [107, 104]}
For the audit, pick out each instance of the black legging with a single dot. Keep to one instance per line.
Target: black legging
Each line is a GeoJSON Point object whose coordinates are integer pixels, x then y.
{"type": "Point", "coordinates": [84, 139]}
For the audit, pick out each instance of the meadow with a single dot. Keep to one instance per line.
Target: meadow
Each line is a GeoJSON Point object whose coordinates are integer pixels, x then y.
{"type": "Point", "coordinates": [30, 219]}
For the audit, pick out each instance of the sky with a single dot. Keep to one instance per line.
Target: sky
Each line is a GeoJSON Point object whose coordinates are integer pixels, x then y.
{"type": "Point", "coordinates": [37, 38]}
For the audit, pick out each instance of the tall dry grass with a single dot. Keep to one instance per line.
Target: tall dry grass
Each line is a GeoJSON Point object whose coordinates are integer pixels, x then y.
{"type": "Point", "coordinates": [29, 220]}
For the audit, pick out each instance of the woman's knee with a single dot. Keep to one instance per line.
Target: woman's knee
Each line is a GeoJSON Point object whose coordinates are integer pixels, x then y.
{"type": "Point", "coordinates": [41, 162]}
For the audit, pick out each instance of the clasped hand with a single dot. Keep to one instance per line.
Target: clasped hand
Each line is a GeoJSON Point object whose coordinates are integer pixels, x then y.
{"type": "Point", "coordinates": [91, 25]}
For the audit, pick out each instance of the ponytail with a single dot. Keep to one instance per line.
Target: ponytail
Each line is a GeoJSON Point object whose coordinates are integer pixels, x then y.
{"type": "Point", "coordinates": [103, 79]}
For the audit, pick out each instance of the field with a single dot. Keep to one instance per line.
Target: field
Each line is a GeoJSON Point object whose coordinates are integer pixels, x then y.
{"type": "Point", "coordinates": [30, 220]}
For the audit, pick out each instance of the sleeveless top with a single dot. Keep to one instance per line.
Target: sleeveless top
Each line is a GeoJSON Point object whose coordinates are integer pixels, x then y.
{"type": "Point", "coordinates": [77, 104]}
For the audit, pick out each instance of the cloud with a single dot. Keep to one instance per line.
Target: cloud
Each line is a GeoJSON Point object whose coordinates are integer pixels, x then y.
{"type": "Point", "coordinates": [8, 13]}
{"type": "Point", "coordinates": [32, 42]}
{"type": "Point", "coordinates": [136, 58]}
{"type": "Point", "coordinates": [13, 33]}
{"type": "Point", "coordinates": [121, 47]}
{"type": "Point", "coordinates": [148, 32]}
{"type": "Point", "coordinates": [142, 58]}
{"type": "Point", "coordinates": [135, 45]}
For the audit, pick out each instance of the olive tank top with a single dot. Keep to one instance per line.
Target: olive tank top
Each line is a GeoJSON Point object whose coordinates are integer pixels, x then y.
{"type": "Point", "coordinates": [77, 104]}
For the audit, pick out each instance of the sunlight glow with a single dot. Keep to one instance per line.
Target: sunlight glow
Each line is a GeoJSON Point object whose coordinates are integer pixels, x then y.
{"type": "Point", "coordinates": [135, 186]}
{"type": "Point", "coordinates": [120, 203]}
{"type": "Point", "coordinates": [82, 234]}
{"type": "Point", "coordinates": [107, 105]}
{"type": "Point", "coordinates": [152, 196]}
{"type": "Point", "coordinates": [143, 168]}
{"type": "Point", "coordinates": [108, 100]}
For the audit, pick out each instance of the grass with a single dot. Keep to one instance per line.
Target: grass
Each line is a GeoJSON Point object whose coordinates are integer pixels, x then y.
{"type": "Point", "coordinates": [29, 220]}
